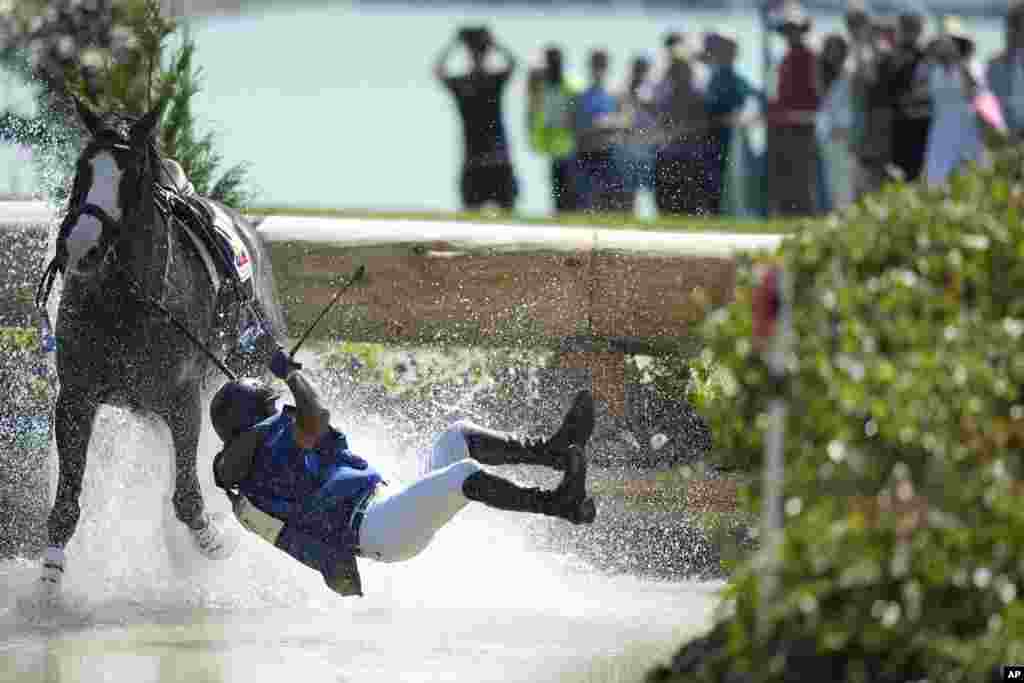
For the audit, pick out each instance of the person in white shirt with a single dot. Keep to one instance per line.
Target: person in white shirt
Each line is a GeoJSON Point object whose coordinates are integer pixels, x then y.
{"type": "Point", "coordinates": [834, 119]}
{"type": "Point", "coordinates": [953, 81]}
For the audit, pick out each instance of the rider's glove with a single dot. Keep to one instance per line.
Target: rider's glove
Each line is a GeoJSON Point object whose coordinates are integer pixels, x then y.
{"type": "Point", "coordinates": [282, 365]}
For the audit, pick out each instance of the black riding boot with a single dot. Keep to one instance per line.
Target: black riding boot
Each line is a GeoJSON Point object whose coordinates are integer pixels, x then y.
{"type": "Point", "coordinates": [569, 501]}
{"type": "Point", "coordinates": [501, 448]}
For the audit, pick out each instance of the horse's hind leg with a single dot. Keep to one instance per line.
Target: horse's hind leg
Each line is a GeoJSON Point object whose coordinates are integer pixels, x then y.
{"type": "Point", "coordinates": [184, 419]}
{"type": "Point", "coordinates": [73, 421]}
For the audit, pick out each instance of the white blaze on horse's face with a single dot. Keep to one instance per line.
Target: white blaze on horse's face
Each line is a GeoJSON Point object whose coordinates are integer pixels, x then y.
{"type": "Point", "coordinates": [103, 192]}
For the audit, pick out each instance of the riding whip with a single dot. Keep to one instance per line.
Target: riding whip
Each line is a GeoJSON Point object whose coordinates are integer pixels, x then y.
{"type": "Point", "coordinates": [355, 277]}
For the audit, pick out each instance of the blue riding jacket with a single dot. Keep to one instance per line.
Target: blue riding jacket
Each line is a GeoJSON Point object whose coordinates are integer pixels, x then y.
{"type": "Point", "coordinates": [314, 491]}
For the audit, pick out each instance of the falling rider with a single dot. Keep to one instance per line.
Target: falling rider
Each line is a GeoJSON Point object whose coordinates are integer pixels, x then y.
{"type": "Point", "coordinates": [293, 481]}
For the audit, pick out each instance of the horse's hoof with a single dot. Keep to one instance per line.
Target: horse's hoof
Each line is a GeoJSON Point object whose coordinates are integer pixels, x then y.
{"type": "Point", "coordinates": [215, 540]}
{"type": "Point", "coordinates": [51, 577]}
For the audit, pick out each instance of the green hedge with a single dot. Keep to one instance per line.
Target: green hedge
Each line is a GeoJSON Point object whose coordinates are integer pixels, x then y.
{"type": "Point", "coordinates": [23, 372]}
{"type": "Point", "coordinates": [904, 539]}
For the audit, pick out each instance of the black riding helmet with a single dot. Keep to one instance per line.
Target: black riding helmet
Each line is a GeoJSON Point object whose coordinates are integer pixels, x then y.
{"type": "Point", "coordinates": [239, 405]}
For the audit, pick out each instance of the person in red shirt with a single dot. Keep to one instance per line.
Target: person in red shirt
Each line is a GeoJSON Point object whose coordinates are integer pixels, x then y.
{"type": "Point", "coordinates": [792, 153]}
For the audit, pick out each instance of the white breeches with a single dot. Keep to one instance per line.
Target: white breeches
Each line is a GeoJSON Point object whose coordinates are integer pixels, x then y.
{"type": "Point", "coordinates": [401, 526]}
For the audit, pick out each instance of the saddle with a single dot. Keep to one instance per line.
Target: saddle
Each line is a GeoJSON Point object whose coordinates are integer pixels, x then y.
{"type": "Point", "coordinates": [228, 262]}
{"type": "Point", "coordinates": [213, 234]}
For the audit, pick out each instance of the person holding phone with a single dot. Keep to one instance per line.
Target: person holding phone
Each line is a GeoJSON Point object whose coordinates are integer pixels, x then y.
{"type": "Point", "coordinates": [487, 174]}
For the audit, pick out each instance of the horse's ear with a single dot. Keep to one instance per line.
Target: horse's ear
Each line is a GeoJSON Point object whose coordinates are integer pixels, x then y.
{"type": "Point", "coordinates": [87, 115]}
{"type": "Point", "coordinates": [144, 127]}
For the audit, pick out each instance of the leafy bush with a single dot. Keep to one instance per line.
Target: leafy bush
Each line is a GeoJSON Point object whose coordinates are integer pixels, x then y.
{"type": "Point", "coordinates": [904, 540]}
{"type": "Point", "coordinates": [114, 55]}
{"type": "Point", "coordinates": [142, 76]}
{"type": "Point", "coordinates": [24, 373]}
{"type": "Point", "coordinates": [197, 153]}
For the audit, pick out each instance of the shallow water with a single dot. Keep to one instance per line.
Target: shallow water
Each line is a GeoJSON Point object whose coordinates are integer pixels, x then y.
{"type": "Point", "coordinates": [479, 605]}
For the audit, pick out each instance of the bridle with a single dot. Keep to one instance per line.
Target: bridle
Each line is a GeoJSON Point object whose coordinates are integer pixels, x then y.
{"type": "Point", "coordinates": [78, 207]}
{"type": "Point", "coordinates": [94, 210]}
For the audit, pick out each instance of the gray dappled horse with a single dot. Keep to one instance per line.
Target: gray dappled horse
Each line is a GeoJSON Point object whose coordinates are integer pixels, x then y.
{"type": "Point", "coordinates": [131, 278]}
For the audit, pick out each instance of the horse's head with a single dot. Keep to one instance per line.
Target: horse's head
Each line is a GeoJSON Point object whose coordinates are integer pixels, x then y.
{"type": "Point", "coordinates": [112, 196]}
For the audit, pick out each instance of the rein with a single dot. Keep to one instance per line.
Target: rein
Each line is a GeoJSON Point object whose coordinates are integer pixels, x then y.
{"type": "Point", "coordinates": [160, 308]}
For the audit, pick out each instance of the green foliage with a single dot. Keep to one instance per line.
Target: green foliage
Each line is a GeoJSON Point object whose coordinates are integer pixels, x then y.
{"type": "Point", "coordinates": [132, 80]}
{"type": "Point", "coordinates": [139, 80]}
{"type": "Point", "coordinates": [127, 67]}
{"type": "Point", "coordinates": [904, 531]}
{"type": "Point", "coordinates": [197, 153]}
{"type": "Point", "coordinates": [386, 366]}
{"type": "Point", "coordinates": [18, 339]}
{"type": "Point", "coordinates": [26, 389]}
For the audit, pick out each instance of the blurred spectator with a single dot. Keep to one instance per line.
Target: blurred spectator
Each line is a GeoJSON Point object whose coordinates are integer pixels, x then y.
{"type": "Point", "coordinates": [597, 124]}
{"type": "Point", "coordinates": [487, 174]}
{"type": "Point", "coordinates": [1005, 74]}
{"type": "Point", "coordinates": [886, 33]}
{"type": "Point", "coordinates": [671, 41]}
{"type": "Point", "coordinates": [726, 94]}
{"type": "Point", "coordinates": [834, 120]}
{"type": "Point", "coordinates": [954, 137]}
{"type": "Point", "coordinates": [551, 126]}
{"type": "Point", "coordinates": [791, 146]}
{"type": "Point", "coordinates": [636, 153]}
{"type": "Point", "coordinates": [871, 134]}
{"type": "Point", "coordinates": [680, 167]}
{"type": "Point", "coordinates": [911, 107]}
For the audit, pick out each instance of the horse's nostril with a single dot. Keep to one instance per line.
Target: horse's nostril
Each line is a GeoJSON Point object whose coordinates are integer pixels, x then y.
{"type": "Point", "coordinates": [91, 258]}
{"type": "Point", "coordinates": [89, 261]}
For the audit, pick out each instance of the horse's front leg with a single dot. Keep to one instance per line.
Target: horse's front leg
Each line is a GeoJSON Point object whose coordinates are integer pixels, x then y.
{"type": "Point", "coordinates": [73, 421]}
{"type": "Point", "coordinates": [212, 537]}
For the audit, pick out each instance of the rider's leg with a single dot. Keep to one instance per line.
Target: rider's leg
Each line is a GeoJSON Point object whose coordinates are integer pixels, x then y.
{"type": "Point", "coordinates": [569, 501]}
{"type": "Point", "coordinates": [401, 526]}
{"type": "Point", "coordinates": [492, 447]}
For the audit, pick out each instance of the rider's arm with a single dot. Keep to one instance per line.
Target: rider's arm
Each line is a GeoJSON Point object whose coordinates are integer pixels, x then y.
{"type": "Point", "coordinates": [441, 65]}
{"type": "Point", "coordinates": [312, 418]}
{"type": "Point", "coordinates": [511, 62]}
